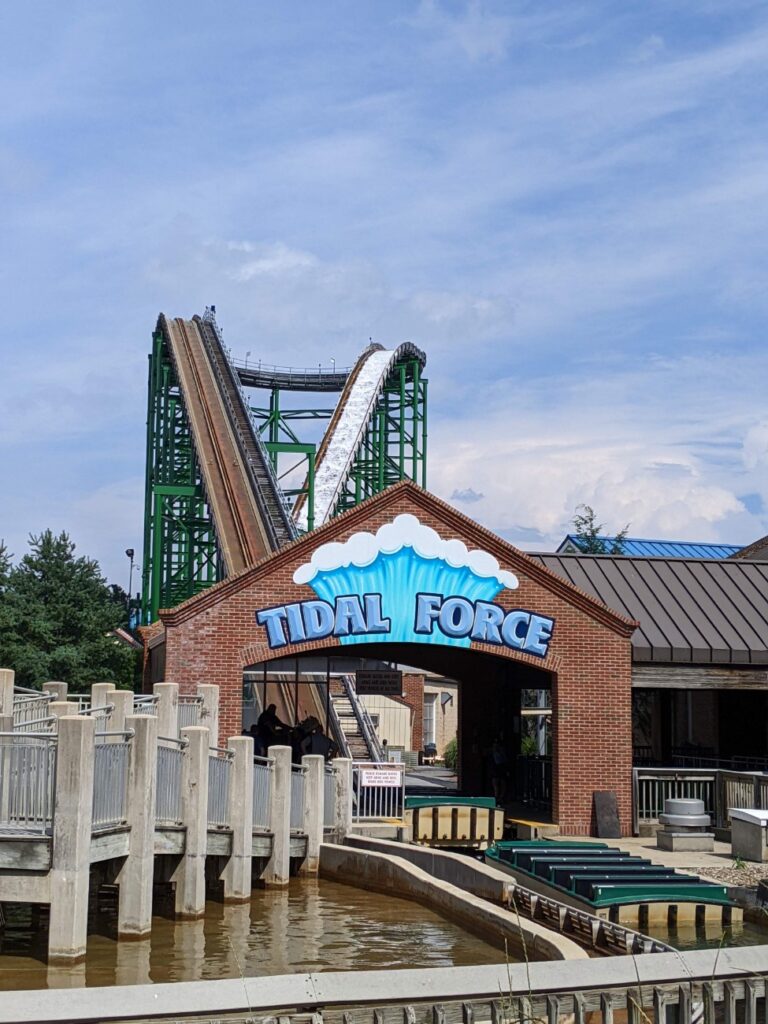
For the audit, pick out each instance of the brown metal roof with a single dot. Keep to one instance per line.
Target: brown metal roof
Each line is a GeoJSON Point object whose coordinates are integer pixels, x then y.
{"type": "Point", "coordinates": [695, 611]}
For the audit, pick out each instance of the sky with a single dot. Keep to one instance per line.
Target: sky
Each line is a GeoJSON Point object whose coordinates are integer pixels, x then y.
{"type": "Point", "coordinates": [563, 202]}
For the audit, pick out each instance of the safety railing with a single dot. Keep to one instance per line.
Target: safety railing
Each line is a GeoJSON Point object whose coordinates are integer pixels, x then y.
{"type": "Point", "coordinates": [533, 779]}
{"type": "Point", "coordinates": [27, 780]}
{"type": "Point", "coordinates": [110, 778]}
{"type": "Point", "coordinates": [170, 758]}
{"type": "Point", "coordinates": [29, 708]}
{"type": "Point", "coordinates": [378, 791]}
{"type": "Point", "coordinates": [190, 709]}
{"type": "Point", "coordinates": [298, 787]}
{"type": "Point", "coordinates": [738, 790]}
{"type": "Point", "coordinates": [46, 724]}
{"type": "Point", "coordinates": [652, 786]}
{"type": "Point", "coordinates": [263, 768]}
{"type": "Point", "coordinates": [363, 719]}
{"type": "Point", "coordinates": [145, 705]}
{"type": "Point", "coordinates": [329, 797]}
{"type": "Point", "coordinates": [219, 772]}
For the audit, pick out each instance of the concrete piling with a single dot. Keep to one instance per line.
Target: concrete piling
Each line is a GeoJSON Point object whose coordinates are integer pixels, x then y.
{"type": "Point", "coordinates": [134, 916]}
{"type": "Point", "coordinates": [71, 853]}
{"type": "Point", "coordinates": [314, 798]}
{"type": "Point", "coordinates": [56, 689]}
{"type": "Point", "coordinates": [7, 678]}
{"type": "Point", "coordinates": [237, 872]}
{"type": "Point", "coordinates": [123, 707]}
{"type": "Point", "coordinates": [342, 770]}
{"type": "Point", "coordinates": [189, 874]}
{"type": "Point", "coordinates": [209, 716]}
{"type": "Point", "coordinates": [277, 870]}
{"type": "Point", "coordinates": [167, 709]}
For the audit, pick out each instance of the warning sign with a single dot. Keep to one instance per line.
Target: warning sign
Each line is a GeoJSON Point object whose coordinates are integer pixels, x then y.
{"type": "Point", "coordinates": [389, 777]}
{"type": "Point", "coordinates": [387, 682]}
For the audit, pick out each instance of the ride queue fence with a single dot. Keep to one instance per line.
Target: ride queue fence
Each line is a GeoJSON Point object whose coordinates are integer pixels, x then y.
{"type": "Point", "coordinates": [170, 757]}
{"type": "Point", "coordinates": [298, 787]}
{"type": "Point", "coordinates": [720, 790]}
{"type": "Point", "coordinates": [378, 791]}
{"type": "Point", "coordinates": [329, 798]}
{"type": "Point", "coordinates": [219, 777]}
{"type": "Point", "coordinates": [27, 782]}
{"type": "Point", "coordinates": [111, 765]}
{"type": "Point", "coordinates": [30, 709]}
{"type": "Point", "coordinates": [263, 770]}
{"type": "Point", "coordinates": [190, 710]}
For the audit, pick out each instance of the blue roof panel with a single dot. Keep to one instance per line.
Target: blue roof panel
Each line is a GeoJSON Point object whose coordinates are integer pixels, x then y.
{"type": "Point", "coordinates": [638, 547]}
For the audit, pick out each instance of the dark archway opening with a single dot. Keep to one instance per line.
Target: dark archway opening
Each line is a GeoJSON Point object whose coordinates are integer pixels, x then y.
{"type": "Point", "coordinates": [504, 708]}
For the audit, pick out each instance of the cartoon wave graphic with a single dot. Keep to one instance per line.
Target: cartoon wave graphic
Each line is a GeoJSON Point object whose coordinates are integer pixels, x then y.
{"type": "Point", "coordinates": [402, 559]}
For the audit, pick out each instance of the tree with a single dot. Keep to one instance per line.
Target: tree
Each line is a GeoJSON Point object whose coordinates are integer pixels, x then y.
{"type": "Point", "coordinates": [588, 534]}
{"type": "Point", "coordinates": [56, 618]}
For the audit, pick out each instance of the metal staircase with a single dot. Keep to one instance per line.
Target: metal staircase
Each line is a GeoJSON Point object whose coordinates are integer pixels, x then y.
{"type": "Point", "coordinates": [361, 739]}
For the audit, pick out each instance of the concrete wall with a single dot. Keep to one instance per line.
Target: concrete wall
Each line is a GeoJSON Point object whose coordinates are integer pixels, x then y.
{"type": "Point", "coordinates": [383, 872]}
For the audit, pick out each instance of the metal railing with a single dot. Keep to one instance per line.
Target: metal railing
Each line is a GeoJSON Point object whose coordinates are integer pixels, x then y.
{"type": "Point", "coordinates": [190, 711]}
{"type": "Point", "coordinates": [145, 705]}
{"type": "Point", "coordinates": [170, 756]}
{"type": "Point", "coordinates": [378, 791]}
{"type": "Point", "coordinates": [298, 788]}
{"type": "Point", "coordinates": [29, 708]}
{"type": "Point", "coordinates": [27, 781]}
{"type": "Point", "coordinates": [533, 779]}
{"type": "Point", "coordinates": [363, 719]}
{"type": "Point", "coordinates": [652, 786]}
{"type": "Point", "coordinates": [111, 762]}
{"type": "Point", "coordinates": [219, 772]}
{"type": "Point", "coordinates": [738, 790]}
{"type": "Point", "coordinates": [329, 797]}
{"type": "Point", "coordinates": [263, 768]}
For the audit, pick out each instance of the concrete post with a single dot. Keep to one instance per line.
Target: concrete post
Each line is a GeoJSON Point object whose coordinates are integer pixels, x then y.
{"type": "Point", "coordinates": [70, 865]}
{"type": "Point", "coordinates": [134, 915]}
{"type": "Point", "coordinates": [101, 694]}
{"type": "Point", "coordinates": [278, 866]}
{"type": "Point", "coordinates": [189, 875]}
{"type": "Point", "coordinates": [342, 770]}
{"type": "Point", "coordinates": [57, 690]}
{"type": "Point", "coordinates": [7, 677]}
{"type": "Point", "coordinates": [314, 803]}
{"type": "Point", "coordinates": [237, 873]}
{"type": "Point", "coordinates": [209, 716]}
{"type": "Point", "coordinates": [62, 708]}
{"type": "Point", "coordinates": [167, 709]}
{"type": "Point", "coordinates": [123, 701]}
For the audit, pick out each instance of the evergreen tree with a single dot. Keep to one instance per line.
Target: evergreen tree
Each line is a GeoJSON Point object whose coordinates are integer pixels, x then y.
{"type": "Point", "coordinates": [588, 534]}
{"type": "Point", "coordinates": [56, 614]}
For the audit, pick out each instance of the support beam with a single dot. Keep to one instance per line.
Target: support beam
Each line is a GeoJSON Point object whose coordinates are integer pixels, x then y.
{"type": "Point", "coordinates": [134, 916]}
{"type": "Point", "coordinates": [237, 872]}
{"type": "Point", "coordinates": [342, 770]}
{"type": "Point", "coordinates": [70, 866]}
{"type": "Point", "coordinates": [314, 799]}
{"type": "Point", "coordinates": [189, 875]}
{"type": "Point", "coordinates": [277, 870]}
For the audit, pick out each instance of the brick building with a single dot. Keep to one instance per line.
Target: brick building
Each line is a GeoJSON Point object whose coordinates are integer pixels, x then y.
{"type": "Point", "coordinates": [494, 619]}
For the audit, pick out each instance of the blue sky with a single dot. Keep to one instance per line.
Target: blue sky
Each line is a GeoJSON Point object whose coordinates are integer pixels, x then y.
{"type": "Point", "coordinates": [563, 203]}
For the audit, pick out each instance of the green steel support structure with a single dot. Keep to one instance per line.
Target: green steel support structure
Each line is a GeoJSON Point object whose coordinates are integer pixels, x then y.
{"type": "Point", "coordinates": [180, 549]}
{"type": "Point", "coordinates": [181, 554]}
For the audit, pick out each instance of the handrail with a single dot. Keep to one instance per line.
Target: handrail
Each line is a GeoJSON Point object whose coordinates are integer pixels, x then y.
{"type": "Point", "coordinates": [190, 698]}
{"type": "Point", "coordinates": [26, 690]}
{"type": "Point", "coordinates": [126, 733]}
{"type": "Point", "coordinates": [20, 728]}
{"type": "Point", "coordinates": [269, 762]}
{"type": "Point", "coordinates": [102, 709]}
{"type": "Point", "coordinates": [180, 742]}
{"type": "Point", "coordinates": [363, 720]}
{"type": "Point", "coordinates": [50, 736]}
{"type": "Point", "coordinates": [228, 754]}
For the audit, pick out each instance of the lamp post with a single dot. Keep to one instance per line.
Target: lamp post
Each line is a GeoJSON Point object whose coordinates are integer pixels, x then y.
{"type": "Point", "coordinates": [246, 358]}
{"type": "Point", "coordinates": [130, 553]}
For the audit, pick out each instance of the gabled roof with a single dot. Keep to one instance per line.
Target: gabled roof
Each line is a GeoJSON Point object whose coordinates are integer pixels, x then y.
{"type": "Point", "coordinates": [757, 550]}
{"type": "Point", "coordinates": [420, 500]}
{"type": "Point", "coordinates": [696, 611]}
{"type": "Point", "coordinates": [656, 548]}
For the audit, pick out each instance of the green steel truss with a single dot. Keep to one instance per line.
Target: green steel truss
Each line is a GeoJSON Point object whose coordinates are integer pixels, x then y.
{"type": "Point", "coordinates": [394, 446]}
{"type": "Point", "coordinates": [180, 549]}
{"type": "Point", "coordinates": [181, 554]}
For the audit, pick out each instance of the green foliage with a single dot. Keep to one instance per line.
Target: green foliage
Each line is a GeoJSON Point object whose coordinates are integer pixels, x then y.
{"type": "Point", "coordinates": [451, 754]}
{"type": "Point", "coordinates": [528, 746]}
{"type": "Point", "coordinates": [56, 613]}
{"type": "Point", "coordinates": [588, 533]}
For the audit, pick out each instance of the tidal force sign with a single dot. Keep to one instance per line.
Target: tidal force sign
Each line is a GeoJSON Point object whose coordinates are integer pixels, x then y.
{"type": "Point", "coordinates": [405, 584]}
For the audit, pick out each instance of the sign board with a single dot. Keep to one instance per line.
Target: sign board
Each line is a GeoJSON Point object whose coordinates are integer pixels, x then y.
{"type": "Point", "coordinates": [388, 682]}
{"type": "Point", "coordinates": [606, 814]}
{"type": "Point", "coordinates": [388, 777]}
{"type": "Point", "coordinates": [405, 584]}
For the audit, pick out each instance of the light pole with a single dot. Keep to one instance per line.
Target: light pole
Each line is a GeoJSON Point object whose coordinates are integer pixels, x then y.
{"type": "Point", "coordinates": [333, 364]}
{"type": "Point", "coordinates": [246, 359]}
{"type": "Point", "coordinates": [130, 553]}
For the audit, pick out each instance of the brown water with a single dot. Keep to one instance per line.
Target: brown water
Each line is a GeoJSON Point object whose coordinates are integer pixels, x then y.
{"type": "Point", "coordinates": [748, 933]}
{"type": "Point", "coordinates": [311, 926]}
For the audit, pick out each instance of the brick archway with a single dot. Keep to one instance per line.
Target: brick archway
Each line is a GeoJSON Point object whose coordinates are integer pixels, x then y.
{"type": "Point", "coordinates": [213, 636]}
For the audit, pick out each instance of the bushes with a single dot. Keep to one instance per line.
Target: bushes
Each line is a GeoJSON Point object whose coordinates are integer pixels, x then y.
{"type": "Point", "coordinates": [451, 754]}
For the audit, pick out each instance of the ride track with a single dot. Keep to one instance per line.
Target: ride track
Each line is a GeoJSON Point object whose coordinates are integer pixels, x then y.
{"type": "Point", "coordinates": [222, 506]}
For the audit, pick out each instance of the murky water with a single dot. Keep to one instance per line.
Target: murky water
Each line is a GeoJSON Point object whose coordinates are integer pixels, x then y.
{"type": "Point", "coordinates": [311, 926]}
{"type": "Point", "coordinates": [748, 933]}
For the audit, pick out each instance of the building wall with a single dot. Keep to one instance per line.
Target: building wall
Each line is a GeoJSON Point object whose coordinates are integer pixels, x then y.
{"type": "Point", "coordinates": [394, 720]}
{"type": "Point", "coordinates": [213, 636]}
{"type": "Point", "coordinates": [446, 713]}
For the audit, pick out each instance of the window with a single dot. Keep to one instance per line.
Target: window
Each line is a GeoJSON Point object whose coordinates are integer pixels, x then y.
{"type": "Point", "coordinates": [430, 702]}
